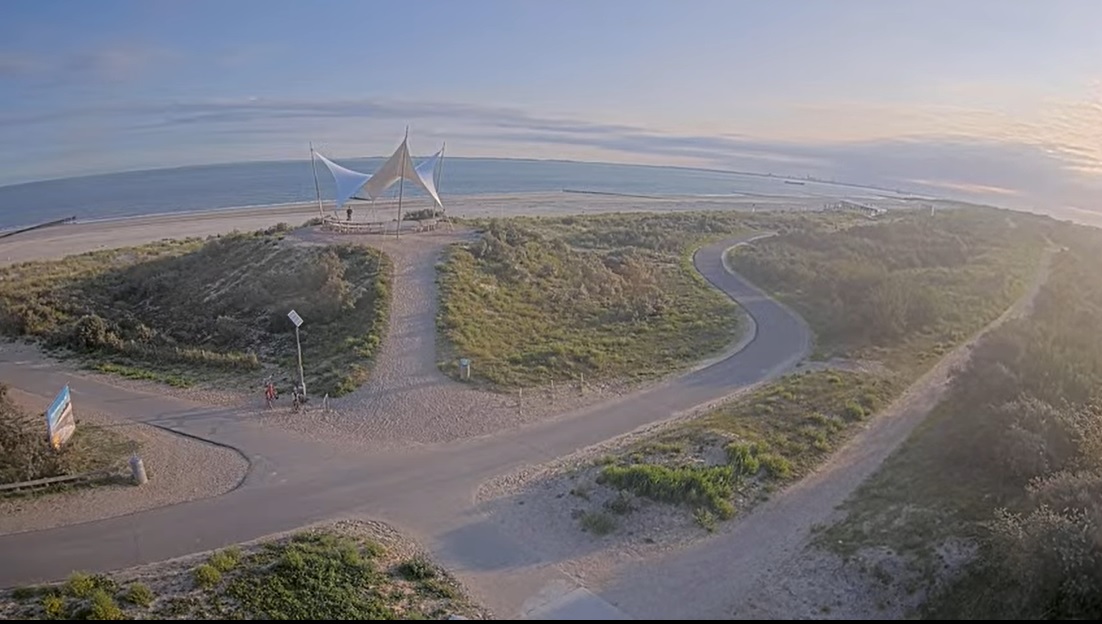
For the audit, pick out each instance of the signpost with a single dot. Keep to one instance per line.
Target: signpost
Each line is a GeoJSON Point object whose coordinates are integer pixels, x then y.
{"type": "Point", "coordinates": [297, 320]}
{"type": "Point", "coordinates": [60, 423]}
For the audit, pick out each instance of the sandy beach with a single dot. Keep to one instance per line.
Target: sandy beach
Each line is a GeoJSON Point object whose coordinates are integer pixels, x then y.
{"type": "Point", "coordinates": [63, 240]}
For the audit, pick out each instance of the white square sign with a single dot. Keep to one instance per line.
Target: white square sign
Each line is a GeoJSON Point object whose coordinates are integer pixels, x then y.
{"type": "Point", "coordinates": [295, 318]}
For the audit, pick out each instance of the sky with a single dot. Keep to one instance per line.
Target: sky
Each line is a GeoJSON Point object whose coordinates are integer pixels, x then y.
{"type": "Point", "coordinates": [984, 100]}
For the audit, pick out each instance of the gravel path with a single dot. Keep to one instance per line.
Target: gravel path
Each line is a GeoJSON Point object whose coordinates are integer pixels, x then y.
{"type": "Point", "coordinates": [180, 469]}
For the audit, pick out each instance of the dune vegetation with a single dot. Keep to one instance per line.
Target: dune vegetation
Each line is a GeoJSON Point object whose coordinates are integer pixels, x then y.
{"type": "Point", "coordinates": [885, 300]}
{"type": "Point", "coordinates": [599, 297]}
{"type": "Point", "coordinates": [207, 311]}
{"type": "Point", "coordinates": [330, 573]}
{"type": "Point", "coordinates": [903, 290]}
{"type": "Point", "coordinates": [26, 455]}
{"type": "Point", "coordinates": [1005, 477]}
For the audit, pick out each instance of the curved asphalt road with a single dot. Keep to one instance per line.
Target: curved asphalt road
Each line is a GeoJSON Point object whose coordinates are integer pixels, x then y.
{"type": "Point", "coordinates": [427, 491]}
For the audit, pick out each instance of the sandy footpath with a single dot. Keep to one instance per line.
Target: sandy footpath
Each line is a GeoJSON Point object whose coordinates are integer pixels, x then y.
{"type": "Point", "coordinates": [180, 469]}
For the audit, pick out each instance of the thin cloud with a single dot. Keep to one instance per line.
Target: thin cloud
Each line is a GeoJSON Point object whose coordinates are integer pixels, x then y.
{"type": "Point", "coordinates": [115, 63]}
{"type": "Point", "coordinates": [15, 65]}
{"type": "Point", "coordinates": [1023, 171]}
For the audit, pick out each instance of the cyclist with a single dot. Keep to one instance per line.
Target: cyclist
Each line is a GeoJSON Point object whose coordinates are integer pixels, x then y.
{"type": "Point", "coordinates": [270, 393]}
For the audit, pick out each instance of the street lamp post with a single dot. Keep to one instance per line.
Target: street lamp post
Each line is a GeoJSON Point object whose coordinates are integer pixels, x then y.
{"type": "Point", "coordinates": [297, 320]}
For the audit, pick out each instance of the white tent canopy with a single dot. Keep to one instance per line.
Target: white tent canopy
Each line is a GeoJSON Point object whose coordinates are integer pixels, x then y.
{"type": "Point", "coordinates": [348, 182]}
{"type": "Point", "coordinates": [398, 167]}
{"type": "Point", "coordinates": [426, 171]}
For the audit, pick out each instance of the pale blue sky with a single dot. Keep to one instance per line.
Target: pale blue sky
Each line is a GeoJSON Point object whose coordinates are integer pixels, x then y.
{"type": "Point", "coordinates": [998, 98]}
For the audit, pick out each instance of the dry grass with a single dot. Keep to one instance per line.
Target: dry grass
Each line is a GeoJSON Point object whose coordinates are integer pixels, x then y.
{"type": "Point", "coordinates": [185, 312]}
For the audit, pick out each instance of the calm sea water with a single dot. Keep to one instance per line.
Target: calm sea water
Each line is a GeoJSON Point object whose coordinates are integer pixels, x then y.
{"type": "Point", "coordinates": [210, 187]}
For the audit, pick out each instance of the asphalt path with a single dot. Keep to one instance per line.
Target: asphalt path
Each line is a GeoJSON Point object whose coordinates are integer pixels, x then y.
{"type": "Point", "coordinates": [426, 491]}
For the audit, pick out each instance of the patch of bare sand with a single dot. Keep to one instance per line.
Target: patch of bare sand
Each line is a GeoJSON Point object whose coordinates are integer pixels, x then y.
{"type": "Point", "coordinates": [179, 468]}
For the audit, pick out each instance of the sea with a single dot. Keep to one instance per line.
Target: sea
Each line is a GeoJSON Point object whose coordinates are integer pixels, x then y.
{"type": "Point", "coordinates": [273, 183]}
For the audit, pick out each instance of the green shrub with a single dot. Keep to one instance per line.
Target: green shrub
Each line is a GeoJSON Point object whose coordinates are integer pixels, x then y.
{"type": "Point", "coordinates": [312, 580]}
{"type": "Point", "coordinates": [597, 523]}
{"type": "Point", "coordinates": [225, 560]}
{"type": "Point", "coordinates": [417, 569]}
{"type": "Point", "coordinates": [80, 585]}
{"type": "Point", "coordinates": [139, 594]}
{"type": "Point", "coordinates": [292, 559]}
{"type": "Point", "coordinates": [102, 607]}
{"type": "Point", "coordinates": [775, 465]}
{"type": "Point", "coordinates": [207, 576]}
{"type": "Point", "coordinates": [372, 549]}
{"type": "Point", "coordinates": [711, 487]}
{"type": "Point", "coordinates": [350, 555]}
{"type": "Point", "coordinates": [53, 606]}
{"type": "Point", "coordinates": [705, 518]}
{"type": "Point", "coordinates": [744, 458]}
{"type": "Point", "coordinates": [853, 411]}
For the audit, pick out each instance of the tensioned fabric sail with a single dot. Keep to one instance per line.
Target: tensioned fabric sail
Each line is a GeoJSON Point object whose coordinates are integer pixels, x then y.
{"type": "Point", "coordinates": [427, 172]}
{"type": "Point", "coordinates": [349, 182]}
{"type": "Point", "coordinates": [399, 166]}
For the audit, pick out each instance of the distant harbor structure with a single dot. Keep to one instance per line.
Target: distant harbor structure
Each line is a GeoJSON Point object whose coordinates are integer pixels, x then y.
{"type": "Point", "coordinates": [846, 205]}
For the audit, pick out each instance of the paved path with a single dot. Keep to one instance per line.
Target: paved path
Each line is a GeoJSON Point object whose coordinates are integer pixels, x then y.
{"type": "Point", "coordinates": [746, 571]}
{"type": "Point", "coordinates": [427, 491]}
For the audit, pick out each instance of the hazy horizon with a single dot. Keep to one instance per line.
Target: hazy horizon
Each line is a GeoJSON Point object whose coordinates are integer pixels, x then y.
{"type": "Point", "coordinates": [417, 157]}
{"type": "Point", "coordinates": [985, 101]}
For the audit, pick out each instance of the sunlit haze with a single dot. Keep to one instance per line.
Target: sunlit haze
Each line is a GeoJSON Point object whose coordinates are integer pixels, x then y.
{"type": "Point", "coordinates": [984, 100]}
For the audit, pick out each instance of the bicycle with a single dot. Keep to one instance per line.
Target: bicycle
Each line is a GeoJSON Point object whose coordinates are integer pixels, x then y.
{"type": "Point", "coordinates": [298, 400]}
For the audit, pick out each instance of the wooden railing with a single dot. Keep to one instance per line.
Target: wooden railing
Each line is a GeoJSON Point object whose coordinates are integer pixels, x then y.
{"type": "Point", "coordinates": [62, 480]}
{"type": "Point", "coordinates": [334, 224]}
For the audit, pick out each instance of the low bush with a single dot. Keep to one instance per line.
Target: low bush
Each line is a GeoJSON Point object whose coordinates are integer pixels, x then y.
{"type": "Point", "coordinates": [101, 606]}
{"type": "Point", "coordinates": [206, 576]}
{"type": "Point", "coordinates": [225, 560]}
{"type": "Point", "coordinates": [693, 486]}
{"type": "Point", "coordinates": [417, 569]}
{"type": "Point", "coordinates": [744, 458]}
{"type": "Point", "coordinates": [139, 594]}
{"type": "Point", "coordinates": [597, 523]}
